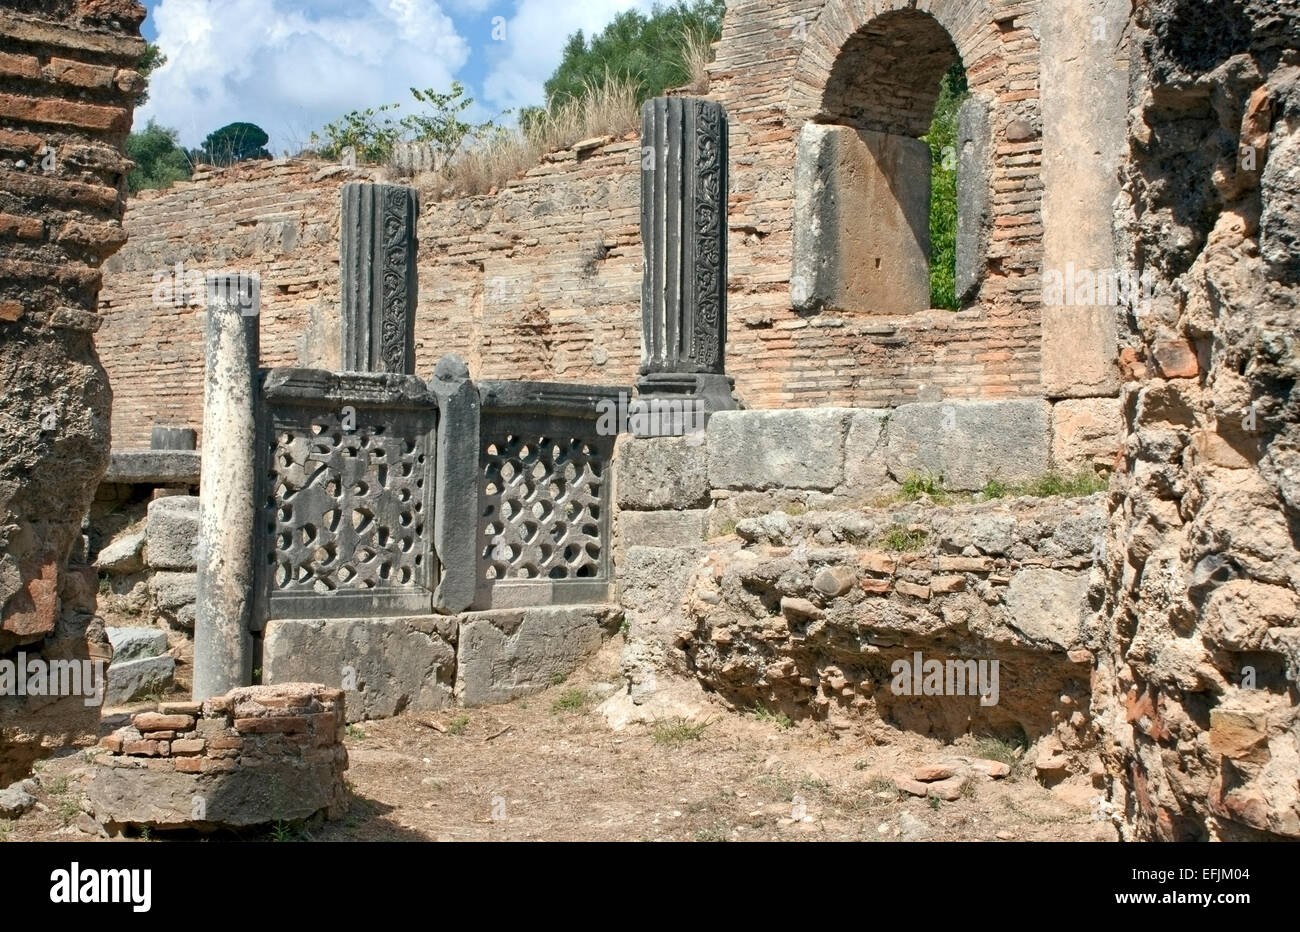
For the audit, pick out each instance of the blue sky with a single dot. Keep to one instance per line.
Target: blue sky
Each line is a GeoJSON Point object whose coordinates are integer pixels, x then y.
{"type": "Point", "coordinates": [292, 65]}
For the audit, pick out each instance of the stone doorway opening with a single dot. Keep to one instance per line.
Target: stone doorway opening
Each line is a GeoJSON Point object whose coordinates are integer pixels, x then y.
{"type": "Point", "coordinates": [870, 163]}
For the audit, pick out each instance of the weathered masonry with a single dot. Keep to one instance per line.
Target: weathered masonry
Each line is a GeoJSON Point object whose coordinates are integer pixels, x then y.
{"type": "Point", "coordinates": [67, 89]}
{"type": "Point", "coordinates": [825, 277]}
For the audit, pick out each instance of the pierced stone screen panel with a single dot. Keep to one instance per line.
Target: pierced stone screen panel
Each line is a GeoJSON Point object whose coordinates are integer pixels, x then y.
{"type": "Point", "coordinates": [543, 507]}
{"type": "Point", "coordinates": [544, 501]}
{"type": "Point", "coordinates": [349, 502]}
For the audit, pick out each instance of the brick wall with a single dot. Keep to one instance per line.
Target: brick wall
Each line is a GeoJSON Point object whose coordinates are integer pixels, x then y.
{"type": "Point", "coordinates": [542, 278]}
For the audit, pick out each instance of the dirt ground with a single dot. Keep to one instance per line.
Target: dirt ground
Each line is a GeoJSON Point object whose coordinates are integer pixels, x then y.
{"type": "Point", "coordinates": [551, 767]}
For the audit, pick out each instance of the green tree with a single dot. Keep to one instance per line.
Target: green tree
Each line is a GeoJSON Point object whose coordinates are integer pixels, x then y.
{"type": "Point", "coordinates": [234, 142]}
{"type": "Point", "coordinates": [159, 160]}
{"type": "Point", "coordinates": [942, 138]}
{"type": "Point", "coordinates": [152, 59]}
{"type": "Point", "coordinates": [648, 50]}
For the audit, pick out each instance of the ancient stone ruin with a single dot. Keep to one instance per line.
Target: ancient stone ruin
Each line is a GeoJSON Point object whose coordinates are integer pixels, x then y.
{"type": "Point", "coordinates": [401, 452]}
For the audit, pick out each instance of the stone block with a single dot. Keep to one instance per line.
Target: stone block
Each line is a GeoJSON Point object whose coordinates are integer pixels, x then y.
{"type": "Point", "coordinates": [135, 678]}
{"type": "Point", "coordinates": [866, 470]}
{"type": "Point", "coordinates": [969, 443]}
{"type": "Point", "coordinates": [661, 472]}
{"type": "Point", "coordinates": [385, 665]}
{"type": "Point", "coordinates": [654, 581]}
{"type": "Point", "coordinates": [278, 789]}
{"type": "Point", "coordinates": [504, 654]}
{"type": "Point", "coordinates": [663, 528]}
{"type": "Point", "coordinates": [1047, 606]}
{"type": "Point", "coordinates": [798, 449]}
{"type": "Point", "coordinates": [173, 532]}
{"type": "Point", "coordinates": [1085, 432]}
{"type": "Point", "coordinates": [123, 555]}
{"type": "Point", "coordinates": [974, 143]}
{"type": "Point", "coordinates": [135, 643]}
{"type": "Point", "coordinates": [843, 174]}
{"type": "Point", "coordinates": [172, 590]}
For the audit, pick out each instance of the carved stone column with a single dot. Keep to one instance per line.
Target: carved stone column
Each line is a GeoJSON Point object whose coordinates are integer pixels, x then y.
{"type": "Point", "coordinates": [378, 281]}
{"type": "Point", "coordinates": [684, 231]}
{"type": "Point", "coordinates": [228, 504]}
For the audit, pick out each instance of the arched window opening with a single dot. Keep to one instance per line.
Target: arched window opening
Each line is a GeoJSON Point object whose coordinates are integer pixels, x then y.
{"type": "Point", "coordinates": [877, 197]}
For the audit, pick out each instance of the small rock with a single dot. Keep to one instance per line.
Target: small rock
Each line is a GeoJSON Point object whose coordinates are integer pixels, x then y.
{"type": "Point", "coordinates": [913, 829]}
{"type": "Point", "coordinates": [123, 555]}
{"type": "Point", "coordinates": [799, 607]}
{"type": "Point", "coordinates": [949, 789]}
{"type": "Point", "coordinates": [1005, 836]}
{"type": "Point", "coordinates": [911, 786]}
{"type": "Point", "coordinates": [990, 768]}
{"type": "Point", "coordinates": [14, 801]}
{"type": "Point", "coordinates": [835, 581]}
{"type": "Point", "coordinates": [928, 773]}
{"type": "Point", "coordinates": [86, 823]}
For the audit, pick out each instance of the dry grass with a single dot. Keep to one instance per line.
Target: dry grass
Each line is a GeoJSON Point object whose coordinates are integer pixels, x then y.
{"type": "Point", "coordinates": [606, 109]}
{"type": "Point", "coordinates": [697, 53]}
{"type": "Point", "coordinates": [609, 109]}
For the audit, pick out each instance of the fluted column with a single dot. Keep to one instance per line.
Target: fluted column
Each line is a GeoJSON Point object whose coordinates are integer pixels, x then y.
{"type": "Point", "coordinates": [378, 280]}
{"type": "Point", "coordinates": [684, 233]}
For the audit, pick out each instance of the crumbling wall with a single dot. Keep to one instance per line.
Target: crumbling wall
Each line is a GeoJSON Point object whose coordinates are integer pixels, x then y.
{"type": "Point", "coordinates": [1199, 665]}
{"type": "Point", "coordinates": [774, 560]}
{"type": "Point", "coordinates": [67, 89]}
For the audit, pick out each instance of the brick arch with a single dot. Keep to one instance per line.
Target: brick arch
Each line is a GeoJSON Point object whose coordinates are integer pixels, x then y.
{"type": "Point", "coordinates": [843, 28]}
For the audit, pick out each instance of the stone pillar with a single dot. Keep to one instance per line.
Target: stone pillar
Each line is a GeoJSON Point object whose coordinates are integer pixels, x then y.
{"type": "Point", "coordinates": [228, 489]}
{"type": "Point", "coordinates": [378, 281]}
{"type": "Point", "coordinates": [684, 232]}
{"type": "Point", "coordinates": [455, 523]}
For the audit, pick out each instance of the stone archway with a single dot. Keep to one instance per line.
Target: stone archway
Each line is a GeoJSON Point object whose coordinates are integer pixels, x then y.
{"type": "Point", "coordinates": [845, 25]}
{"type": "Point", "coordinates": [865, 88]}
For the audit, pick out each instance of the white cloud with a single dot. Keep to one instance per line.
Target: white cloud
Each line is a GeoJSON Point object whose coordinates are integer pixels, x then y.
{"type": "Point", "coordinates": [534, 44]}
{"type": "Point", "coordinates": [290, 70]}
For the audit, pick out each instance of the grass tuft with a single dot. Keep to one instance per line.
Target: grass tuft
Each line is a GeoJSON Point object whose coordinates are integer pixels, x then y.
{"type": "Point", "coordinates": [572, 700]}
{"type": "Point", "coordinates": [675, 732]}
{"type": "Point", "coordinates": [762, 713]}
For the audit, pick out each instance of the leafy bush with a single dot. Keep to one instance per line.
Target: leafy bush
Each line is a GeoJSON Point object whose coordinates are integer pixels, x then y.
{"type": "Point", "coordinates": [372, 135]}
{"type": "Point", "coordinates": [942, 138]}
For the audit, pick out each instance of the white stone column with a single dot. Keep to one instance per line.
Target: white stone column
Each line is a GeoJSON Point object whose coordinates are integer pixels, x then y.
{"type": "Point", "coordinates": [223, 657]}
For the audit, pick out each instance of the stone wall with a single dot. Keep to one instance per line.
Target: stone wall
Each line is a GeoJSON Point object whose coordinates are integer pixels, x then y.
{"type": "Point", "coordinates": [67, 89]}
{"type": "Point", "coordinates": [1199, 658]}
{"type": "Point", "coordinates": [773, 560]}
{"type": "Point", "coordinates": [540, 279]}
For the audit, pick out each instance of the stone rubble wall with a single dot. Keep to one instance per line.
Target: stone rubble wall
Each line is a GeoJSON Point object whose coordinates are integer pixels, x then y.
{"type": "Point", "coordinates": [541, 279]}
{"type": "Point", "coordinates": [257, 755]}
{"type": "Point", "coordinates": [67, 91]}
{"type": "Point", "coordinates": [147, 568]}
{"type": "Point", "coordinates": [759, 559]}
{"type": "Point", "coordinates": [1198, 672]}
